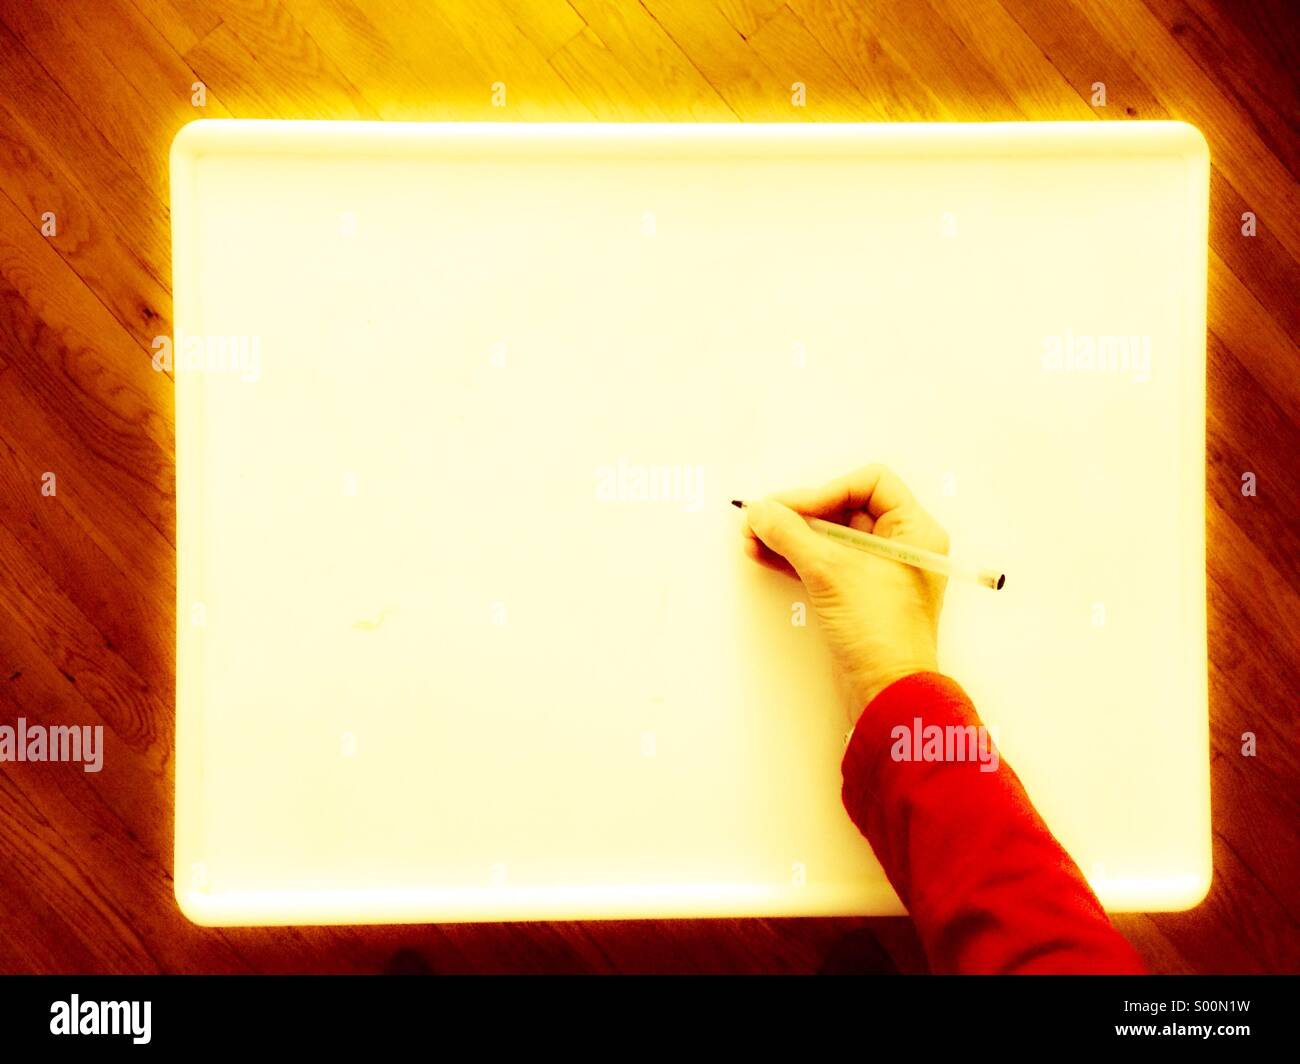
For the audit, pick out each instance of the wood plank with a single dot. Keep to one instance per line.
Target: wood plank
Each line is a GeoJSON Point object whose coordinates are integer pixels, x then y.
{"type": "Point", "coordinates": [221, 62]}
{"type": "Point", "coordinates": [786, 47]}
{"type": "Point", "coordinates": [137, 112]}
{"type": "Point", "coordinates": [181, 23]}
{"type": "Point", "coordinates": [749, 87]}
{"type": "Point", "coordinates": [639, 44]}
{"type": "Point", "coordinates": [549, 24]}
{"type": "Point", "coordinates": [1189, 93]}
{"type": "Point", "coordinates": [746, 16]}
{"type": "Point", "coordinates": [1270, 26]}
{"type": "Point", "coordinates": [54, 549]}
{"type": "Point", "coordinates": [263, 53]}
{"type": "Point", "coordinates": [1259, 262]}
{"type": "Point", "coordinates": [49, 121]}
{"type": "Point", "coordinates": [86, 240]}
{"type": "Point", "coordinates": [922, 43]}
{"type": "Point", "coordinates": [93, 411]}
{"type": "Point", "coordinates": [892, 92]}
{"type": "Point", "coordinates": [1260, 93]}
{"type": "Point", "coordinates": [402, 72]}
{"type": "Point", "coordinates": [1033, 85]}
{"type": "Point", "coordinates": [533, 89]}
{"type": "Point", "coordinates": [1072, 44]}
{"type": "Point", "coordinates": [1254, 335]}
{"type": "Point", "coordinates": [411, 64]}
{"type": "Point", "coordinates": [606, 88]}
{"type": "Point", "coordinates": [138, 716]}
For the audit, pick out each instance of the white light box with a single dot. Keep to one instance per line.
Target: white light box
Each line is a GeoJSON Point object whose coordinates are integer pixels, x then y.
{"type": "Point", "coordinates": [465, 626]}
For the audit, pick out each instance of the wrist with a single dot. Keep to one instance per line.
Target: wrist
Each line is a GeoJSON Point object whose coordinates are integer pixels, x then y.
{"type": "Point", "coordinates": [869, 688]}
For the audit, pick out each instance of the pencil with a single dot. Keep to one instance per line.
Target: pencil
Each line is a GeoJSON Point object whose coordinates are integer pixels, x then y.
{"type": "Point", "coordinates": [897, 551]}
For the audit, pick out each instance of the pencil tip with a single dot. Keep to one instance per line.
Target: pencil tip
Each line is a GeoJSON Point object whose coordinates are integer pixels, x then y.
{"type": "Point", "coordinates": [738, 504]}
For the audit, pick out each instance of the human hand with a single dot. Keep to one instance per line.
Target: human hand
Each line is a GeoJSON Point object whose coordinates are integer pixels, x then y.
{"type": "Point", "coordinates": [880, 617]}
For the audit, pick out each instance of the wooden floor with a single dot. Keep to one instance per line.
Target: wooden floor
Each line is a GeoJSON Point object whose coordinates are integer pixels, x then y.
{"type": "Point", "coordinates": [91, 93]}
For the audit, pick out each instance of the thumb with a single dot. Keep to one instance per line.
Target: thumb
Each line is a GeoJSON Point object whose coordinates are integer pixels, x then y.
{"type": "Point", "coordinates": [784, 531]}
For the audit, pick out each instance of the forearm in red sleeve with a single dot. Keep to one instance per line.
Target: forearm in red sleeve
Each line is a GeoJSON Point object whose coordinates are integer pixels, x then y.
{"type": "Point", "coordinates": [987, 885]}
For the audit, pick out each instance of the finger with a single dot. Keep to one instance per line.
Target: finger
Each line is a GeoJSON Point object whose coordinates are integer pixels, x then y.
{"type": "Point", "coordinates": [863, 522]}
{"type": "Point", "coordinates": [765, 556]}
{"type": "Point", "coordinates": [859, 519]}
{"type": "Point", "coordinates": [875, 489]}
{"type": "Point", "coordinates": [782, 530]}
{"type": "Point", "coordinates": [914, 525]}
{"type": "Point", "coordinates": [760, 552]}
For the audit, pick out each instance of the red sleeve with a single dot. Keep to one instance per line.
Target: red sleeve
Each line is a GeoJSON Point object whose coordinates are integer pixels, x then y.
{"type": "Point", "coordinates": [987, 885]}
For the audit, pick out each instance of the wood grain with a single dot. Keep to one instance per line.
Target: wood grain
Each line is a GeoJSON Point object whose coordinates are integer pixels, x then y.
{"type": "Point", "coordinates": [94, 92]}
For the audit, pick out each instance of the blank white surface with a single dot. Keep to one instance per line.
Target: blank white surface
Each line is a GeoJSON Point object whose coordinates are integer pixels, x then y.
{"type": "Point", "coordinates": [647, 733]}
